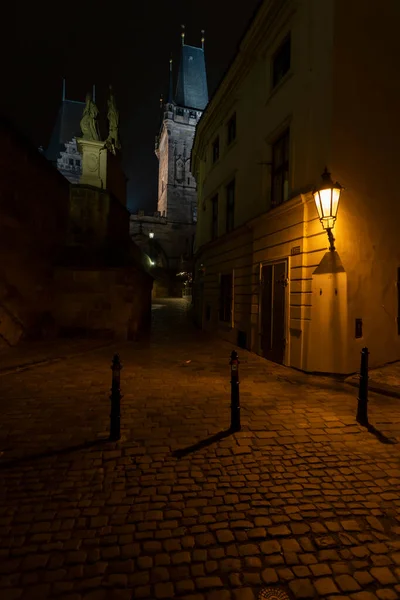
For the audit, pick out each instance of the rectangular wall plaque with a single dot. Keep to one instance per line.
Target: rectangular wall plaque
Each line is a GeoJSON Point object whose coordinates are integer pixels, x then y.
{"type": "Point", "coordinates": [358, 328]}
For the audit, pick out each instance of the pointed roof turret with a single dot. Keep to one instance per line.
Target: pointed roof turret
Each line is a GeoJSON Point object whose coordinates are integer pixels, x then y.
{"type": "Point", "coordinates": [66, 128]}
{"type": "Point", "coordinates": [171, 83]}
{"type": "Point", "coordinates": [192, 89]}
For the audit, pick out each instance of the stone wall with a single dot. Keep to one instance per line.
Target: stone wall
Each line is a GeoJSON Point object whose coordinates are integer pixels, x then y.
{"type": "Point", "coordinates": [108, 303]}
{"type": "Point", "coordinates": [34, 201]}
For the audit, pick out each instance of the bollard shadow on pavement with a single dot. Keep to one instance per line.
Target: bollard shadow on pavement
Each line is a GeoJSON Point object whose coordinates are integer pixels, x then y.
{"type": "Point", "coordinates": [203, 443]}
{"type": "Point", "coordinates": [12, 462]}
{"type": "Point", "coordinates": [381, 437]}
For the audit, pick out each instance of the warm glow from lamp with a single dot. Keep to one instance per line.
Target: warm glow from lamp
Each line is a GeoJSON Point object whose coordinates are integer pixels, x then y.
{"type": "Point", "coordinates": [327, 200]}
{"type": "Point", "coordinates": [151, 234]}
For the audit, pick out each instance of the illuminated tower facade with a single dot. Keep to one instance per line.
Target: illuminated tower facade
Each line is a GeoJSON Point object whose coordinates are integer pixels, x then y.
{"type": "Point", "coordinates": [176, 185]}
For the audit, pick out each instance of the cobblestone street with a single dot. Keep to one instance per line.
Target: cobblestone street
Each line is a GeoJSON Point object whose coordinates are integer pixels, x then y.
{"type": "Point", "coordinates": [303, 499]}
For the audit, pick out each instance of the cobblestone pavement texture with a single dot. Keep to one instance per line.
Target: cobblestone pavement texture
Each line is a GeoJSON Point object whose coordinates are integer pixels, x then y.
{"type": "Point", "coordinates": [303, 499]}
{"type": "Point", "coordinates": [384, 380]}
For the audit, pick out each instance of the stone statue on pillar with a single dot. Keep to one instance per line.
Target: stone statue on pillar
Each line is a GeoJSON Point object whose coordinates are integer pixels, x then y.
{"type": "Point", "coordinates": [112, 142]}
{"type": "Point", "coordinates": [89, 125]}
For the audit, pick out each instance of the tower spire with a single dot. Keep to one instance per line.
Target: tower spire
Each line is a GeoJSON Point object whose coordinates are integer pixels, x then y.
{"type": "Point", "coordinates": [202, 38]}
{"type": "Point", "coordinates": [63, 89]}
{"type": "Point", "coordinates": [183, 35]}
{"type": "Point", "coordinates": [94, 93]}
{"type": "Point", "coordinates": [170, 96]}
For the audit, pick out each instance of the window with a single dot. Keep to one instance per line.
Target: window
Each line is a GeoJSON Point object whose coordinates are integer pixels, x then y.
{"type": "Point", "coordinates": [215, 150]}
{"type": "Point", "coordinates": [232, 129]}
{"type": "Point", "coordinates": [179, 112]}
{"type": "Point", "coordinates": [78, 162]}
{"type": "Point", "coordinates": [281, 62]}
{"type": "Point", "coordinates": [225, 297]}
{"type": "Point", "coordinates": [71, 161]}
{"type": "Point", "coordinates": [230, 206]}
{"type": "Point", "coordinates": [214, 219]}
{"type": "Point", "coordinates": [280, 170]}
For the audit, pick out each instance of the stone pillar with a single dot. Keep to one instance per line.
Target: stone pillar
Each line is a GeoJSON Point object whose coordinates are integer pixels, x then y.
{"type": "Point", "coordinates": [94, 163]}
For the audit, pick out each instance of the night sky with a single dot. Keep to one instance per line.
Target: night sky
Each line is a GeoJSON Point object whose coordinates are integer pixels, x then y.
{"type": "Point", "coordinates": [126, 44]}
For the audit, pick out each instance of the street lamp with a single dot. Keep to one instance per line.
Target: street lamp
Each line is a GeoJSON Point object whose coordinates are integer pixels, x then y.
{"type": "Point", "coordinates": [151, 235]}
{"type": "Point", "coordinates": [327, 198]}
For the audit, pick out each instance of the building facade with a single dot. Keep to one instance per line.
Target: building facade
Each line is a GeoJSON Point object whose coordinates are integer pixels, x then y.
{"type": "Point", "coordinates": [62, 150]}
{"type": "Point", "coordinates": [306, 91]}
{"type": "Point", "coordinates": [173, 224]}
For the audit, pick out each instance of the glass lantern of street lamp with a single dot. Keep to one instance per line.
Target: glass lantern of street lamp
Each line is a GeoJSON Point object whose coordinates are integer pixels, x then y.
{"type": "Point", "coordinates": [151, 234]}
{"type": "Point", "coordinates": [327, 198]}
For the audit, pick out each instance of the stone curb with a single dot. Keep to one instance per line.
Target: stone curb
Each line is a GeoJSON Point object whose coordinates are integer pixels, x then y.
{"type": "Point", "coordinates": [385, 390]}
{"type": "Point", "coordinates": [48, 360]}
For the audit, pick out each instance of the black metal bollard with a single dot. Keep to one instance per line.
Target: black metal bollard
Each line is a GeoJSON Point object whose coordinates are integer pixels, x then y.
{"type": "Point", "coordinates": [115, 414]}
{"type": "Point", "coordinates": [362, 408]}
{"type": "Point", "coordinates": [235, 399]}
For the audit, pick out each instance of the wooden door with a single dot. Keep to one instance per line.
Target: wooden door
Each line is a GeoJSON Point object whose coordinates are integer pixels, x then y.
{"type": "Point", "coordinates": [273, 311]}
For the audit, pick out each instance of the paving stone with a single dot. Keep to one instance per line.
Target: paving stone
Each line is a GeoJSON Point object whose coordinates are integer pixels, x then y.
{"type": "Point", "coordinates": [225, 536]}
{"type": "Point", "coordinates": [185, 586]}
{"type": "Point", "coordinates": [235, 579]}
{"type": "Point", "coordinates": [363, 577]}
{"type": "Point", "coordinates": [351, 525]}
{"type": "Point", "coordinates": [208, 582]}
{"type": "Point", "coordinates": [325, 586]}
{"type": "Point", "coordinates": [219, 595]}
{"type": "Point", "coordinates": [319, 570]}
{"type": "Point", "coordinates": [164, 590]}
{"type": "Point", "coordinates": [278, 531]}
{"type": "Point", "coordinates": [386, 594]}
{"type": "Point", "coordinates": [378, 548]}
{"type": "Point", "coordinates": [230, 564]}
{"type": "Point", "coordinates": [290, 545]}
{"type": "Point", "coordinates": [375, 523]}
{"type": "Point", "coordinates": [302, 588]}
{"type": "Point", "coordinates": [383, 575]}
{"type": "Point", "coordinates": [159, 574]}
{"type": "Point", "coordinates": [347, 583]}
{"type": "Point", "coordinates": [364, 596]}
{"type": "Point", "coordinates": [248, 550]}
{"type": "Point", "coordinates": [269, 575]}
{"type": "Point", "coordinates": [270, 547]}
{"type": "Point", "coordinates": [244, 594]}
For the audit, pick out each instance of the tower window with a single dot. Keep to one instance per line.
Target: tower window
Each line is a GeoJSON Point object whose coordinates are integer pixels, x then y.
{"type": "Point", "coordinates": [231, 129]}
{"type": "Point", "coordinates": [214, 217]}
{"type": "Point", "coordinates": [281, 62]}
{"type": "Point", "coordinates": [215, 150]}
{"type": "Point", "coordinates": [280, 170]}
{"type": "Point", "coordinates": [230, 206]}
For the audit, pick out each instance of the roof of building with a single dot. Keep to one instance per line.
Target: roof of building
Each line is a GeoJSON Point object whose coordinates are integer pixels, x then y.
{"type": "Point", "coordinates": [67, 127]}
{"type": "Point", "coordinates": [192, 90]}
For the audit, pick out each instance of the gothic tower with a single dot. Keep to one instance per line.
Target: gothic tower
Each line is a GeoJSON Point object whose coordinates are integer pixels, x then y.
{"type": "Point", "coordinates": [176, 186]}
